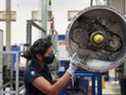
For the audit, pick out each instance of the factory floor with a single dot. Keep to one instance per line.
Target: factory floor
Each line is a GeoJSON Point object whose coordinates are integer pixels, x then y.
{"type": "Point", "coordinates": [108, 88]}
{"type": "Point", "coordinates": [111, 88]}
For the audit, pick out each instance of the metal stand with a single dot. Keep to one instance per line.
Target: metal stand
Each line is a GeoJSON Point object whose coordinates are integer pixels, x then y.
{"type": "Point", "coordinates": [31, 23]}
{"type": "Point", "coordinates": [96, 81]}
{"type": "Point", "coordinates": [14, 79]}
{"type": "Point", "coordinates": [95, 78]}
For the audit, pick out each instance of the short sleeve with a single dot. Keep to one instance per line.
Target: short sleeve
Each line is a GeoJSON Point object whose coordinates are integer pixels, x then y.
{"type": "Point", "coordinates": [31, 74]}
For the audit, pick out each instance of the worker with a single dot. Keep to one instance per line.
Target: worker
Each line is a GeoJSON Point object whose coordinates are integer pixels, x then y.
{"type": "Point", "coordinates": [37, 77]}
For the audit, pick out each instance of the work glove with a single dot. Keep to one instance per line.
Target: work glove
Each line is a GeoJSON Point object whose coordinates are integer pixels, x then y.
{"type": "Point", "coordinates": [74, 60]}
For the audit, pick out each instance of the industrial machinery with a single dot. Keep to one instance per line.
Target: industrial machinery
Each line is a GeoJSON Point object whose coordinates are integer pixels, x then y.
{"type": "Point", "coordinates": [97, 36]}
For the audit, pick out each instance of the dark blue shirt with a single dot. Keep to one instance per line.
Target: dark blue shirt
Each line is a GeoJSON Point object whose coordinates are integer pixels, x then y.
{"type": "Point", "coordinates": [33, 71]}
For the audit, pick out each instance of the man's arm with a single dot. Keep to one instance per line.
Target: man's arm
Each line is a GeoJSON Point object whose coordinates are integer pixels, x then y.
{"type": "Point", "coordinates": [43, 85]}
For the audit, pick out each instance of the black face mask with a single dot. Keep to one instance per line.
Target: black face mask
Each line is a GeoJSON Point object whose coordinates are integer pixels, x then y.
{"type": "Point", "coordinates": [49, 59]}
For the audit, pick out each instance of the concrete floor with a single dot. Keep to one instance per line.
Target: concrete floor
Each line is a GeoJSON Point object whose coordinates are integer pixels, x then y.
{"type": "Point", "coordinates": [111, 88]}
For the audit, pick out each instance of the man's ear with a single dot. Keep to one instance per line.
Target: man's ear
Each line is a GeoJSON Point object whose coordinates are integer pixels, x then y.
{"type": "Point", "coordinates": [39, 57]}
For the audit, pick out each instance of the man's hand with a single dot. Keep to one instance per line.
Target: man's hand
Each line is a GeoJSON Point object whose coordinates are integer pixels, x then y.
{"type": "Point", "coordinates": [75, 59]}
{"type": "Point", "coordinates": [72, 66]}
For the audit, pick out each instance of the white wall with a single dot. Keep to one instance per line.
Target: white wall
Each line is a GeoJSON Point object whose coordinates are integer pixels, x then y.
{"type": "Point", "coordinates": [60, 8]}
{"type": "Point", "coordinates": [24, 7]}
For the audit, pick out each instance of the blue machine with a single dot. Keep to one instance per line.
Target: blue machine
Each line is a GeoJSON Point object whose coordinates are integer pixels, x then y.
{"type": "Point", "coordinates": [80, 83]}
{"type": "Point", "coordinates": [16, 49]}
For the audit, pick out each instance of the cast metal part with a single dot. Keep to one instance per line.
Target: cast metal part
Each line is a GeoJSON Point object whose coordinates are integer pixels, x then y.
{"type": "Point", "coordinates": [97, 38]}
{"type": "Point", "coordinates": [98, 35]}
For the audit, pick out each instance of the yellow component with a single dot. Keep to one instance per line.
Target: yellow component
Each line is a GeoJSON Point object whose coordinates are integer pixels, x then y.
{"type": "Point", "coordinates": [98, 38]}
{"type": "Point", "coordinates": [103, 84]}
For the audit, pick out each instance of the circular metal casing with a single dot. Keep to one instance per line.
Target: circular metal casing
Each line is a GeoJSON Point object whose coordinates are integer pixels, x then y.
{"type": "Point", "coordinates": [107, 21]}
